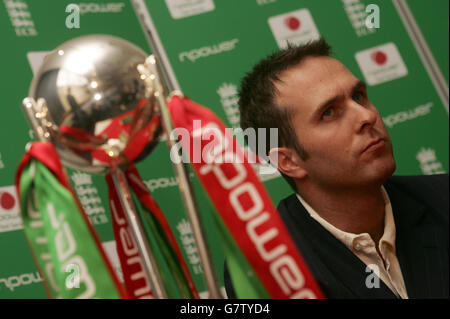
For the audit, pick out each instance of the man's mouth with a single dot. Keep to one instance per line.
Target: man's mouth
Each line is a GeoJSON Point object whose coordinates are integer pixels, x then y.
{"type": "Point", "coordinates": [374, 145]}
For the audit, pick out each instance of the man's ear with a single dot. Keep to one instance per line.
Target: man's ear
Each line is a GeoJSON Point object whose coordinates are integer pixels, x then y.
{"type": "Point", "coordinates": [287, 161]}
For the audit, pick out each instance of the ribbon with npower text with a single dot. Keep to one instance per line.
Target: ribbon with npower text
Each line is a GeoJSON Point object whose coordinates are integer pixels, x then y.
{"type": "Point", "coordinates": [64, 244]}
{"type": "Point", "coordinates": [242, 202]}
{"type": "Point", "coordinates": [174, 271]}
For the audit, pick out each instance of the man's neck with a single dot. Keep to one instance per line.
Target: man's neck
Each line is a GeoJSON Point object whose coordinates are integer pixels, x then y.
{"type": "Point", "coordinates": [359, 210]}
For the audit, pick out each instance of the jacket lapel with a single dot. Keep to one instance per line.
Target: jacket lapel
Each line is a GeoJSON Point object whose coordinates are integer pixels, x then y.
{"type": "Point", "coordinates": [417, 246]}
{"type": "Point", "coordinates": [331, 262]}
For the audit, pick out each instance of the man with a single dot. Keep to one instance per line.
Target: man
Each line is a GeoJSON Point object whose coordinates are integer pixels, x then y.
{"type": "Point", "coordinates": [363, 233]}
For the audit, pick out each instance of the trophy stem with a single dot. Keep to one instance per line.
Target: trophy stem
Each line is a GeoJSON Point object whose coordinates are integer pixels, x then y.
{"type": "Point", "coordinates": [191, 208]}
{"type": "Point", "coordinates": [138, 233]}
{"type": "Point", "coordinates": [170, 83]}
{"type": "Point", "coordinates": [151, 34]}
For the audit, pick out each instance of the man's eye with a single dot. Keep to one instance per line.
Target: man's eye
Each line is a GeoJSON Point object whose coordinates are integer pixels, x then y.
{"type": "Point", "coordinates": [328, 113]}
{"type": "Point", "coordinates": [358, 96]}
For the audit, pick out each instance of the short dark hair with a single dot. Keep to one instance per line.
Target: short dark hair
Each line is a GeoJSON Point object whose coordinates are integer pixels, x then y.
{"type": "Point", "coordinates": [257, 95]}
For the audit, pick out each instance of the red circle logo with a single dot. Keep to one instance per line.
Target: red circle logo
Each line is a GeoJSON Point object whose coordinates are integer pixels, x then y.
{"type": "Point", "coordinates": [379, 57]}
{"type": "Point", "coordinates": [292, 23]}
{"type": "Point", "coordinates": [7, 201]}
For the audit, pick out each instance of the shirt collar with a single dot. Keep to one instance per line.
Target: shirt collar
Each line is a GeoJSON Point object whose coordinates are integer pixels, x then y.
{"type": "Point", "coordinates": [389, 224]}
{"type": "Point", "coordinates": [349, 238]}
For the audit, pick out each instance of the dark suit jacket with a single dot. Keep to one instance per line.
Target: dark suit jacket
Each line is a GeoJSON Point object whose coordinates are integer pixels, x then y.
{"type": "Point", "coordinates": [421, 212]}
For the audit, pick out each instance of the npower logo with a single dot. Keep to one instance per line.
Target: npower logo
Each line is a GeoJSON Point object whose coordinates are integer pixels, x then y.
{"type": "Point", "coordinates": [92, 7]}
{"type": "Point", "coordinates": [206, 51]}
{"type": "Point", "coordinates": [186, 8]}
{"type": "Point", "coordinates": [20, 280]}
{"type": "Point", "coordinates": [162, 182]}
{"type": "Point", "coordinates": [411, 114]}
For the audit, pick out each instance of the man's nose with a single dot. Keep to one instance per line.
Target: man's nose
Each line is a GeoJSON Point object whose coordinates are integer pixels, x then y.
{"type": "Point", "coordinates": [365, 116]}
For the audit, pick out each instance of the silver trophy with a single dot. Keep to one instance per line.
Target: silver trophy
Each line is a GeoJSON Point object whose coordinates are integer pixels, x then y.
{"type": "Point", "coordinates": [101, 102]}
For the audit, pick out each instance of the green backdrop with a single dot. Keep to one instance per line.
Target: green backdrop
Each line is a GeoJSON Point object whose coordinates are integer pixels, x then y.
{"type": "Point", "coordinates": [210, 45]}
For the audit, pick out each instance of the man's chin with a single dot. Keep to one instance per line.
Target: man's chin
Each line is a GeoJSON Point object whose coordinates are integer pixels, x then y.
{"type": "Point", "coordinates": [385, 171]}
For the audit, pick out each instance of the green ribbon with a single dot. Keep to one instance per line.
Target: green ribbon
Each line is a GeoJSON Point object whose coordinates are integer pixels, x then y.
{"type": "Point", "coordinates": [171, 273]}
{"type": "Point", "coordinates": [246, 283]}
{"type": "Point", "coordinates": [62, 245]}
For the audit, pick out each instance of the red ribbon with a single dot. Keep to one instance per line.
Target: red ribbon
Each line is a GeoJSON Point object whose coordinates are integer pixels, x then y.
{"type": "Point", "coordinates": [127, 126]}
{"type": "Point", "coordinates": [243, 203]}
{"type": "Point", "coordinates": [136, 282]}
{"type": "Point", "coordinates": [135, 182]}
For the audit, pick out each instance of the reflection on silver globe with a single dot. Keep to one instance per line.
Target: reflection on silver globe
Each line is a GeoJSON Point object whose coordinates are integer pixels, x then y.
{"type": "Point", "coordinates": [96, 99]}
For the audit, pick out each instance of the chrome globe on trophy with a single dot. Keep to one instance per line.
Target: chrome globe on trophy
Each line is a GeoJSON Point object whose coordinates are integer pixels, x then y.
{"type": "Point", "coordinates": [101, 101]}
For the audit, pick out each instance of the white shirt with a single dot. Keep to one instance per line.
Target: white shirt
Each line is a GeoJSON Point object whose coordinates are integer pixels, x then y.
{"type": "Point", "coordinates": [363, 247]}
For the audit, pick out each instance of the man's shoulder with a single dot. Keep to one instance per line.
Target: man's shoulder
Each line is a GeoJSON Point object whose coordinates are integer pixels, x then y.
{"type": "Point", "coordinates": [287, 201]}
{"type": "Point", "coordinates": [425, 187]}
{"type": "Point", "coordinates": [437, 182]}
{"type": "Point", "coordinates": [289, 205]}
{"type": "Point", "coordinates": [429, 190]}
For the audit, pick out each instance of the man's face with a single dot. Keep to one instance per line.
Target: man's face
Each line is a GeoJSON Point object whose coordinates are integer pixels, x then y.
{"type": "Point", "coordinates": [342, 132]}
